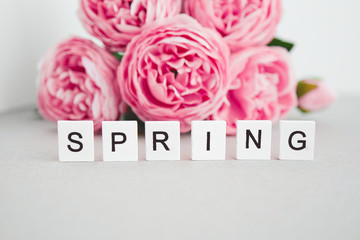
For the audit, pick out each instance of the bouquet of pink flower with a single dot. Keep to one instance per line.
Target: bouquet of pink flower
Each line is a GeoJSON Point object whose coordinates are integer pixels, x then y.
{"type": "Point", "coordinates": [176, 60]}
{"type": "Point", "coordinates": [77, 81]}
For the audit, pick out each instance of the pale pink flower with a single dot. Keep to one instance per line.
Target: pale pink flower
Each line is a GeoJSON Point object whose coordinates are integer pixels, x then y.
{"type": "Point", "coordinates": [175, 70]}
{"type": "Point", "coordinates": [315, 95]}
{"type": "Point", "coordinates": [77, 81]}
{"type": "Point", "coordinates": [242, 23]}
{"type": "Point", "coordinates": [116, 22]}
{"type": "Point", "coordinates": [263, 87]}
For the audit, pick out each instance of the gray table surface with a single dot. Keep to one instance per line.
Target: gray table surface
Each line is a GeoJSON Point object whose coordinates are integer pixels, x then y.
{"type": "Point", "coordinates": [41, 198]}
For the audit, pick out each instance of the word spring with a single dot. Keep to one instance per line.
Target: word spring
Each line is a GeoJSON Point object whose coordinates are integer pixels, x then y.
{"type": "Point", "coordinates": [162, 140]}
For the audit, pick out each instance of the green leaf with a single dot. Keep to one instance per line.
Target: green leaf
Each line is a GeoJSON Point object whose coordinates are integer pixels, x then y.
{"type": "Point", "coordinates": [131, 116]}
{"type": "Point", "coordinates": [303, 110]}
{"type": "Point", "coordinates": [303, 88]}
{"type": "Point", "coordinates": [119, 55]}
{"type": "Point", "coordinates": [280, 43]}
{"type": "Point", "coordinates": [37, 114]}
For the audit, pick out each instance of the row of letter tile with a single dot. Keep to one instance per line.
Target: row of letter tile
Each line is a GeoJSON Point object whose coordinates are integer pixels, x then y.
{"type": "Point", "coordinates": [162, 140]}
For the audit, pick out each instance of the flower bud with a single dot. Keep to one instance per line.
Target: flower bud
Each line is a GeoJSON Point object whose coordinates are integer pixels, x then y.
{"type": "Point", "coordinates": [314, 95]}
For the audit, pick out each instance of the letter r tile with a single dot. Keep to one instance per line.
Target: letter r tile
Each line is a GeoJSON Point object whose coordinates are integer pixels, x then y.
{"type": "Point", "coordinates": [162, 140]}
{"type": "Point", "coordinates": [76, 141]}
{"type": "Point", "coordinates": [297, 140]}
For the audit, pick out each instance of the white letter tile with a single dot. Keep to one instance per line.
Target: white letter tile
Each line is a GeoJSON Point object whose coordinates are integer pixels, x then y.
{"type": "Point", "coordinates": [76, 141]}
{"type": "Point", "coordinates": [208, 140]}
{"type": "Point", "coordinates": [162, 140]}
{"type": "Point", "coordinates": [253, 140]}
{"type": "Point", "coordinates": [297, 140]}
{"type": "Point", "coordinates": [120, 140]}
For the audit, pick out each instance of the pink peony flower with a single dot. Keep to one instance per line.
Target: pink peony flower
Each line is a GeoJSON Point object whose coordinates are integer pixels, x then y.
{"type": "Point", "coordinates": [116, 22]}
{"type": "Point", "coordinates": [175, 70]}
{"type": "Point", "coordinates": [263, 87]}
{"type": "Point", "coordinates": [314, 95]}
{"type": "Point", "coordinates": [77, 81]}
{"type": "Point", "coordinates": [242, 23]}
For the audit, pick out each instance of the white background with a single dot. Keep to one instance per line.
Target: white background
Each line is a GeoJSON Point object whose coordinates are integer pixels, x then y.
{"type": "Point", "coordinates": [326, 33]}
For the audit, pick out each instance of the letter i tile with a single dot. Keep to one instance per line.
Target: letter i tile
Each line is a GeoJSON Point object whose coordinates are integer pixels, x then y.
{"type": "Point", "coordinates": [208, 140]}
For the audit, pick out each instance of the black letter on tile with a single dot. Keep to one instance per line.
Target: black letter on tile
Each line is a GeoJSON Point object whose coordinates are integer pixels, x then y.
{"type": "Point", "coordinates": [249, 134]}
{"type": "Point", "coordinates": [81, 146]}
{"type": "Point", "coordinates": [114, 142]}
{"type": "Point", "coordinates": [208, 141]}
{"type": "Point", "coordinates": [303, 142]}
{"type": "Point", "coordinates": [162, 141]}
